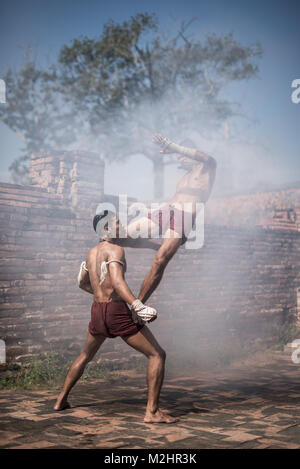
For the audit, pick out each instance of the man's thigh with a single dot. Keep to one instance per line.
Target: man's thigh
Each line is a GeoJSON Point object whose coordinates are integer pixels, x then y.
{"type": "Point", "coordinates": [145, 342]}
{"type": "Point", "coordinates": [146, 227]}
{"type": "Point", "coordinates": [93, 343]}
{"type": "Point", "coordinates": [169, 245]}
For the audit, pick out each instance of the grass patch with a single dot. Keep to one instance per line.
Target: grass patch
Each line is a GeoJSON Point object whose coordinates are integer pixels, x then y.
{"type": "Point", "coordinates": [50, 372]}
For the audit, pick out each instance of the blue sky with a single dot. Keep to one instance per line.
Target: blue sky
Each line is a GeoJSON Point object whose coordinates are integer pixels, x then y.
{"type": "Point", "coordinates": [47, 25]}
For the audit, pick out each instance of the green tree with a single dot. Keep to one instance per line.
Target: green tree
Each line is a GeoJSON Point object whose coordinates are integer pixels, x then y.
{"type": "Point", "coordinates": [115, 91]}
{"type": "Point", "coordinates": [33, 110]}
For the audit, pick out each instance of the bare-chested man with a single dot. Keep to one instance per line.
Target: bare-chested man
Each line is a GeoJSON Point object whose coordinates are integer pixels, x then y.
{"type": "Point", "coordinates": [103, 276]}
{"type": "Point", "coordinates": [192, 189]}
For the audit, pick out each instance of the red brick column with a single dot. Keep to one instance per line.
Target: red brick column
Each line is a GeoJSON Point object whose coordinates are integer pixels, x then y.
{"type": "Point", "coordinates": [75, 176]}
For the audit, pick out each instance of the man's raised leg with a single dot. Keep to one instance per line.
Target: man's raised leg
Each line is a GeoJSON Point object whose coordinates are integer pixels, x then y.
{"type": "Point", "coordinates": [145, 342]}
{"type": "Point", "coordinates": [165, 253]}
{"type": "Point", "coordinates": [90, 349]}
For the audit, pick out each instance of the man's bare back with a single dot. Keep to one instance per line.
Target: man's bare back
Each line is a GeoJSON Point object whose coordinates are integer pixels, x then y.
{"type": "Point", "coordinates": [104, 252]}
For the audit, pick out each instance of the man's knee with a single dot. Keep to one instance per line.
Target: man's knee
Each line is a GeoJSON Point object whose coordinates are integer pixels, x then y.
{"type": "Point", "coordinates": [160, 354]}
{"type": "Point", "coordinates": [87, 356]}
{"type": "Point", "coordinates": [160, 262]}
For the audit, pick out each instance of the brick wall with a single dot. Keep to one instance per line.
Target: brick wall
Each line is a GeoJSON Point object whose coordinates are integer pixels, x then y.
{"type": "Point", "coordinates": [275, 210]}
{"type": "Point", "coordinates": [76, 177]}
{"type": "Point", "coordinates": [242, 282]}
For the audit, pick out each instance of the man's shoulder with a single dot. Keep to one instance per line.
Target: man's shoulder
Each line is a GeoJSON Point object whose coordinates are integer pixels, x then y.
{"type": "Point", "coordinates": [116, 251]}
{"type": "Point", "coordinates": [93, 251]}
{"type": "Point", "coordinates": [107, 250]}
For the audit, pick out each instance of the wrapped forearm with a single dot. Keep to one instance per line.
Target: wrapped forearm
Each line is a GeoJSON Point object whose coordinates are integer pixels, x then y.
{"type": "Point", "coordinates": [182, 150]}
{"type": "Point", "coordinates": [189, 152]}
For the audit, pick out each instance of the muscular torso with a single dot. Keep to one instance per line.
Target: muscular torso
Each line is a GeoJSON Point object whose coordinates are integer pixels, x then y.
{"type": "Point", "coordinates": [102, 252]}
{"type": "Point", "coordinates": [195, 186]}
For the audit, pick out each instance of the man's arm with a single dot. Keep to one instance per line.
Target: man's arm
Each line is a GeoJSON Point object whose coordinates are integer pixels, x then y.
{"type": "Point", "coordinates": [84, 282]}
{"type": "Point", "coordinates": [117, 276]}
{"type": "Point", "coordinates": [170, 147]}
{"type": "Point", "coordinates": [119, 284]}
{"type": "Point", "coordinates": [140, 312]}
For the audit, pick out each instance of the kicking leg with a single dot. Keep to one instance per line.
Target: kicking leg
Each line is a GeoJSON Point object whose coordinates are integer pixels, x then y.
{"type": "Point", "coordinates": [90, 349]}
{"type": "Point", "coordinates": [145, 342]}
{"type": "Point", "coordinates": [145, 227]}
{"type": "Point", "coordinates": [165, 253]}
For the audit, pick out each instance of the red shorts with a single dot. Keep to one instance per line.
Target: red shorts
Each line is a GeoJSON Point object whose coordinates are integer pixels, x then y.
{"type": "Point", "coordinates": [171, 217]}
{"type": "Point", "coordinates": [112, 319]}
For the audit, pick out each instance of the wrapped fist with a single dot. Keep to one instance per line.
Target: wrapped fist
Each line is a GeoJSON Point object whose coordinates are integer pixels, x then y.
{"type": "Point", "coordinates": [143, 312]}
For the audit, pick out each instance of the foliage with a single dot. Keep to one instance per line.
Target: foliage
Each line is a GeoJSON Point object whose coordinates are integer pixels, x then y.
{"type": "Point", "coordinates": [111, 93]}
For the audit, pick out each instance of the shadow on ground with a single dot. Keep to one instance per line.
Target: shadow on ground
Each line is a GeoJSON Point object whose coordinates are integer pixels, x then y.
{"type": "Point", "coordinates": [241, 407]}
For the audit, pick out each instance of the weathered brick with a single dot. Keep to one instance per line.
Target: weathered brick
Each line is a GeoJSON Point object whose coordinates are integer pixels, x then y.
{"type": "Point", "coordinates": [246, 274]}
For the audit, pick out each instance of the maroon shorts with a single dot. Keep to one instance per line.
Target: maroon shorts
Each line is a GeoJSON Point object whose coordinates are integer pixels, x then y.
{"type": "Point", "coordinates": [112, 319]}
{"type": "Point", "coordinates": [171, 217]}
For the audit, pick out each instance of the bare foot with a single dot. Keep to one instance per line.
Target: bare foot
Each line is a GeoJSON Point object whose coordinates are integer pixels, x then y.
{"type": "Point", "coordinates": [159, 417]}
{"type": "Point", "coordinates": [61, 405]}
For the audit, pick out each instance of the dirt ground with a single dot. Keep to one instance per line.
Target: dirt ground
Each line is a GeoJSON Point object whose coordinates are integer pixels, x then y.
{"type": "Point", "coordinates": [252, 404]}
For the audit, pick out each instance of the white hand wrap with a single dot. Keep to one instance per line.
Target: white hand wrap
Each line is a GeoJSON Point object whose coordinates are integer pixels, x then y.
{"type": "Point", "coordinates": [82, 267]}
{"type": "Point", "coordinates": [190, 152]}
{"type": "Point", "coordinates": [146, 313]}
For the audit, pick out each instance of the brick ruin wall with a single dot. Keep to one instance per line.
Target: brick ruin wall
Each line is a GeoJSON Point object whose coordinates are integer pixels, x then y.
{"type": "Point", "coordinates": [243, 281]}
{"type": "Point", "coordinates": [273, 210]}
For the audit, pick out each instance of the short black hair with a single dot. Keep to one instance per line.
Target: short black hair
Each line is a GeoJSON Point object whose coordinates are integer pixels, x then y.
{"type": "Point", "coordinates": [99, 217]}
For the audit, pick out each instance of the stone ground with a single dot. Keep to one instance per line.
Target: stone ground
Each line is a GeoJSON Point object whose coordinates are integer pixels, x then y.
{"type": "Point", "coordinates": [250, 405]}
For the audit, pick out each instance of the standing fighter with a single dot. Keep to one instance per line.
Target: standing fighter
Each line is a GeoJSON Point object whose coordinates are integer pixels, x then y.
{"type": "Point", "coordinates": [103, 276]}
